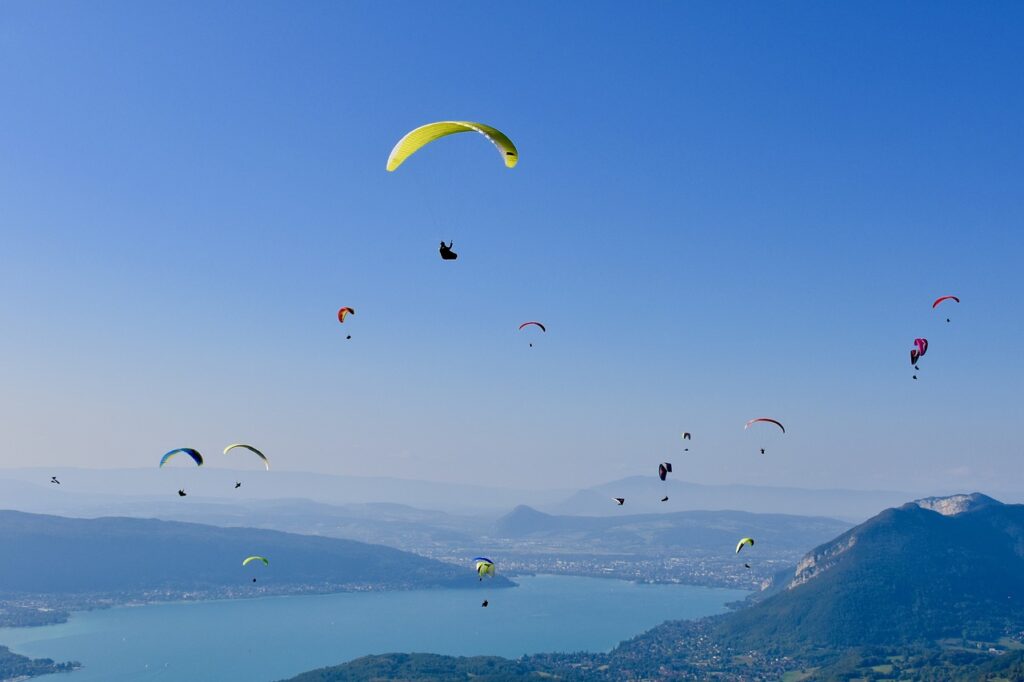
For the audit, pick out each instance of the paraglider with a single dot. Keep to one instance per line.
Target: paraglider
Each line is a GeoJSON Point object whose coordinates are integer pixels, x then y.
{"type": "Point", "coordinates": [664, 469]}
{"type": "Point", "coordinates": [266, 462]}
{"type": "Point", "coordinates": [181, 492]}
{"type": "Point", "coordinates": [246, 561]}
{"type": "Point", "coordinates": [484, 603]}
{"type": "Point", "coordinates": [767, 420]}
{"type": "Point", "coordinates": [53, 479]}
{"type": "Point", "coordinates": [686, 436]}
{"type": "Point", "coordinates": [940, 299]}
{"type": "Point", "coordinates": [743, 543]}
{"type": "Point", "coordinates": [416, 139]}
{"type": "Point", "coordinates": [344, 312]}
{"type": "Point", "coordinates": [619, 500]}
{"type": "Point", "coordinates": [665, 499]}
{"type": "Point", "coordinates": [484, 567]}
{"type": "Point", "coordinates": [446, 251]}
{"type": "Point", "coordinates": [191, 452]}
{"type": "Point", "coordinates": [238, 484]}
{"type": "Point", "coordinates": [536, 324]}
{"type": "Point", "coordinates": [921, 347]}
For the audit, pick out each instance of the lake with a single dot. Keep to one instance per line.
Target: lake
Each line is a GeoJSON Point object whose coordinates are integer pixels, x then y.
{"type": "Point", "coordinates": [276, 637]}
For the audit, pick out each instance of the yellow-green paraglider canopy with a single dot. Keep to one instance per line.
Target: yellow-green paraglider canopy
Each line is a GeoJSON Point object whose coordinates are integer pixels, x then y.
{"type": "Point", "coordinates": [484, 566]}
{"type": "Point", "coordinates": [424, 135]}
{"type": "Point", "coordinates": [249, 559]}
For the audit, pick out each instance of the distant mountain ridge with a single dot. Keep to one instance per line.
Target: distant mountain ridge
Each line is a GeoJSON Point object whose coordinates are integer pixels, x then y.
{"type": "Point", "coordinates": [57, 555]}
{"type": "Point", "coordinates": [643, 495]}
{"type": "Point", "coordinates": [669, 532]}
{"type": "Point", "coordinates": [100, 491]}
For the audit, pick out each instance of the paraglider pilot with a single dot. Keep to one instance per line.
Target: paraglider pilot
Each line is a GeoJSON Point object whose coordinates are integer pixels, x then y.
{"type": "Point", "coordinates": [446, 251]}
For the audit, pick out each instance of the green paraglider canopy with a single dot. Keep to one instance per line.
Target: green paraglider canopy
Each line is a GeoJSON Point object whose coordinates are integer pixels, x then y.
{"type": "Point", "coordinates": [424, 135]}
{"type": "Point", "coordinates": [743, 543]}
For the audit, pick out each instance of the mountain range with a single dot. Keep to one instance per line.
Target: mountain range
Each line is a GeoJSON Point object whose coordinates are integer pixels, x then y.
{"type": "Point", "coordinates": [97, 492]}
{"type": "Point", "coordinates": [932, 589]}
{"type": "Point", "coordinates": [674, 532]}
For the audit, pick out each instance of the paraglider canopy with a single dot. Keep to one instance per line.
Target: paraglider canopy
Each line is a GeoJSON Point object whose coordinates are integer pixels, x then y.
{"type": "Point", "coordinates": [266, 462]}
{"type": "Point", "coordinates": [191, 452]}
{"type": "Point", "coordinates": [940, 299]}
{"type": "Point", "coordinates": [250, 559]}
{"type": "Point", "coordinates": [484, 567]}
{"type": "Point", "coordinates": [742, 543]}
{"type": "Point", "coordinates": [664, 469]}
{"type": "Point", "coordinates": [342, 312]}
{"type": "Point", "coordinates": [764, 419]}
{"type": "Point", "coordinates": [686, 435]}
{"type": "Point", "coordinates": [619, 500]}
{"type": "Point", "coordinates": [416, 139]}
{"type": "Point", "coordinates": [538, 324]}
{"type": "Point", "coordinates": [922, 346]}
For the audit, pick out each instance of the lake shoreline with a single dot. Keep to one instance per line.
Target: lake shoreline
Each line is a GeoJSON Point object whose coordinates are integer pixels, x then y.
{"type": "Point", "coordinates": [44, 610]}
{"type": "Point", "coordinates": [279, 636]}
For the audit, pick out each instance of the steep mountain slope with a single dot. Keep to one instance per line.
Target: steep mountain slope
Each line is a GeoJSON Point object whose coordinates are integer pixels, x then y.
{"type": "Point", "coordinates": [907, 575]}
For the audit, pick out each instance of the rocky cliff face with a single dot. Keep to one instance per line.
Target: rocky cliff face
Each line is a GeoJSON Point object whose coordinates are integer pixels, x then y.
{"type": "Point", "coordinates": [821, 559]}
{"type": "Point", "coordinates": [955, 504]}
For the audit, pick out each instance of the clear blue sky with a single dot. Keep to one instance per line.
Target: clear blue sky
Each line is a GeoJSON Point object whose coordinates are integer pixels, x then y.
{"type": "Point", "coordinates": [722, 211]}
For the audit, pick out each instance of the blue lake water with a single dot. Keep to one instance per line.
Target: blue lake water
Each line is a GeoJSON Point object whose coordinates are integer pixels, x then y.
{"type": "Point", "coordinates": [276, 637]}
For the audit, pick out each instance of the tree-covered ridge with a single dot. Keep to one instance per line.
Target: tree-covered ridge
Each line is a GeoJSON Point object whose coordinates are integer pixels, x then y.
{"type": "Point", "coordinates": [68, 557]}
{"type": "Point", "coordinates": [15, 666]}
{"type": "Point", "coordinates": [398, 667]}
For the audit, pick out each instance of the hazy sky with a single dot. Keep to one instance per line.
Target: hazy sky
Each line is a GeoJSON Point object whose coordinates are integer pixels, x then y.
{"type": "Point", "coordinates": [721, 211]}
